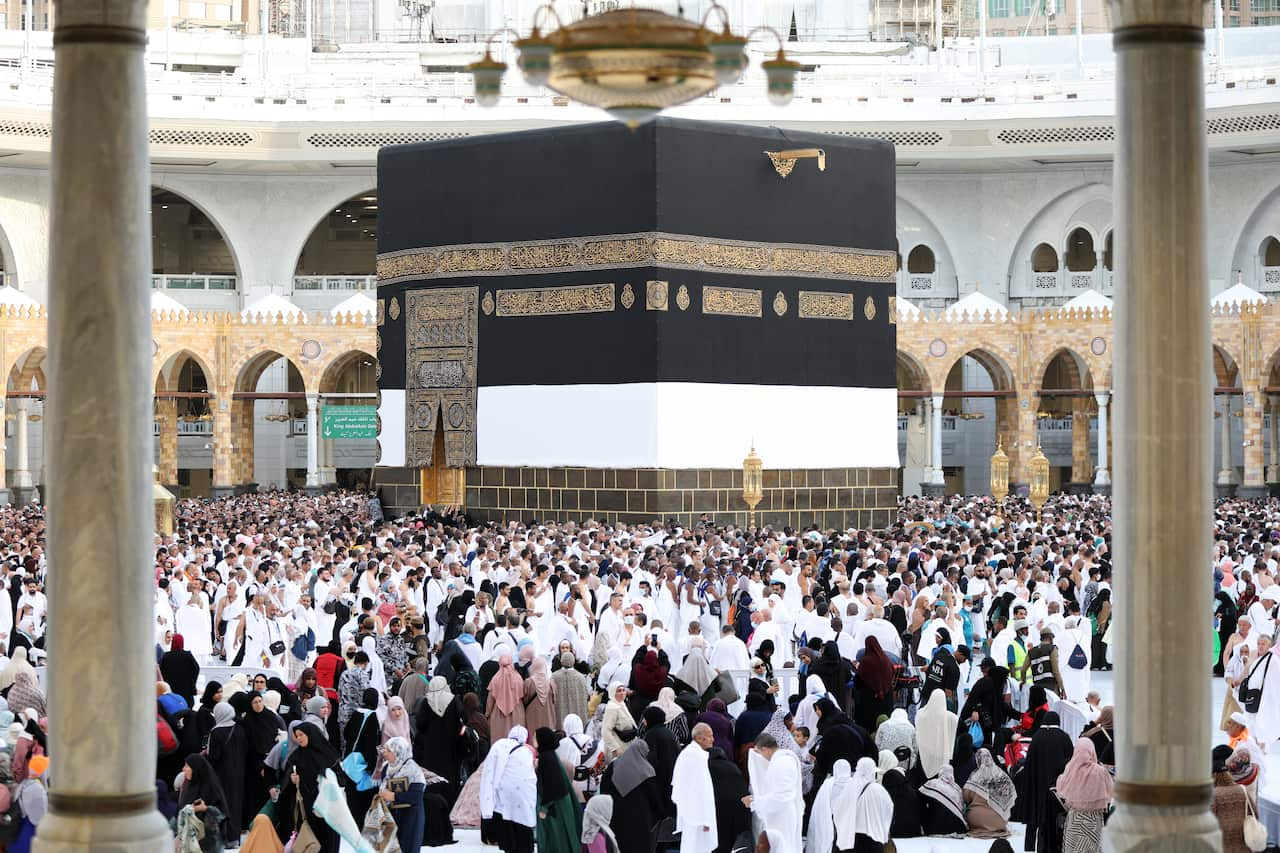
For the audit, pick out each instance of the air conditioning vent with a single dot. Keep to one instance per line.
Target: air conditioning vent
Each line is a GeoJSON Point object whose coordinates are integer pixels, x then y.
{"type": "Point", "coordinates": [900, 138]}
{"type": "Point", "coordinates": [376, 139]}
{"type": "Point", "coordinates": [211, 138]}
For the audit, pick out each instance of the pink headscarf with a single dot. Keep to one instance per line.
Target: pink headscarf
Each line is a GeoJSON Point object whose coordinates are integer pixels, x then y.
{"type": "Point", "coordinates": [1085, 785]}
{"type": "Point", "coordinates": [507, 687]}
{"type": "Point", "coordinates": [540, 677]}
{"type": "Point", "coordinates": [393, 727]}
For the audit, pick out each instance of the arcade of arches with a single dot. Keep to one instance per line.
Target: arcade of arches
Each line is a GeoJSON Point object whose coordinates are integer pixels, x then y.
{"type": "Point", "coordinates": [1057, 363]}
{"type": "Point", "coordinates": [207, 366]}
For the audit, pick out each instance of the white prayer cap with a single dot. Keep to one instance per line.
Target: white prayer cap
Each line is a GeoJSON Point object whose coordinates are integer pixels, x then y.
{"type": "Point", "coordinates": [1239, 719]}
{"type": "Point", "coordinates": [1019, 624]}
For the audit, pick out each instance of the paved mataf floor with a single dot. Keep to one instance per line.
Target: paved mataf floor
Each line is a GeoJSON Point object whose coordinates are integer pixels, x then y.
{"type": "Point", "coordinates": [468, 840]}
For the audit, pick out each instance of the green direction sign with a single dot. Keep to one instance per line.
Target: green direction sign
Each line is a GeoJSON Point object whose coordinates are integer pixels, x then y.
{"type": "Point", "coordinates": [349, 422]}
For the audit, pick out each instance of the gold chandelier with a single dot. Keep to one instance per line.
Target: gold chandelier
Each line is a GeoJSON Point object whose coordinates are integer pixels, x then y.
{"type": "Point", "coordinates": [632, 63]}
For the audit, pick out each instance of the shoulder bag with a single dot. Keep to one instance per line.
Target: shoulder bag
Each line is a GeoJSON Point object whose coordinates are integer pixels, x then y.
{"type": "Point", "coordinates": [1251, 697]}
{"type": "Point", "coordinates": [354, 765]}
{"type": "Point", "coordinates": [304, 840]}
{"type": "Point", "coordinates": [1255, 834]}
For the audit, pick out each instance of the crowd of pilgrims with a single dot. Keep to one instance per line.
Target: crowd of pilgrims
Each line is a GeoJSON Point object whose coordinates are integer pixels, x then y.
{"type": "Point", "coordinates": [624, 688]}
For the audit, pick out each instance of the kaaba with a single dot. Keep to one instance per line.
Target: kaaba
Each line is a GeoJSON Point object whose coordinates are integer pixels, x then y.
{"type": "Point", "coordinates": [599, 322]}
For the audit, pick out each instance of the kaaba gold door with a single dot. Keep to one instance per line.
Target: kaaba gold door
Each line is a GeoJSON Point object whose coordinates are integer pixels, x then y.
{"type": "Point", "coordinates": [441, 485]}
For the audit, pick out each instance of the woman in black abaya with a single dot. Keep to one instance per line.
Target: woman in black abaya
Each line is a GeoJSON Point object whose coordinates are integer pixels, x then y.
{"type": "Point", "coordinates": [438, 746]}
{"type": "Point", "coordinates": [732, 817]}
{"type": "Point", "coordinates": [226, 753]}
{"type": "Point", "coordinates": [363, 734]}
{"type": "Point", "coordinates": [663, 751]}
{"type": "Point", "coordinates": [262, 727]}
{"type": "Point", "coordinates": [632, 783]}
{"type": "Point", "coordinates": [305, 766]}
{"type": "Point", "coordinates": [204, 714]}
{"type": "Point", "coordinates": [1047, 757]}
{"type": "Point", "coordinates": [201, 790]}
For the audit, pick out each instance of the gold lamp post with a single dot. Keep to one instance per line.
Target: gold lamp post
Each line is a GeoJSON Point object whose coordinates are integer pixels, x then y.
{"type": "Point", "coordinates": [999, 472]}
{"type": "Point", "coordinates": [1039, 479]}
{"type": "Point", "coordinates": [752, 483]}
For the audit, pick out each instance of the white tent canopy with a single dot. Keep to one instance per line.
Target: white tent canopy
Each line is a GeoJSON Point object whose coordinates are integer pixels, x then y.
{"type": "Point", "coordinates": [1237, 294]}
{"type": "Point", "coordinates": [269, 306]}
{"type": "Point", "coordinates": [1090, 300]}
{"type": "Point", "coordinates": [977, 305]}
{"type": "Point", "coordinates": [356, 303]}
{"type": "Point", "coordinates": [10, 295]}
{"type": "Point", "coordinates": [166, 303]}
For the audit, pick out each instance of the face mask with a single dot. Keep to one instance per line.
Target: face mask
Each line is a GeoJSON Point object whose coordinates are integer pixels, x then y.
{"type": "Point", "coordinates": [627, 620]}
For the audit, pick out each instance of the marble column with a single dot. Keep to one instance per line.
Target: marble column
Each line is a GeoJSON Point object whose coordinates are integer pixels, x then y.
{"type": "Point", "coordinates": [1102, 480]}
{"type": "Point", "coordinates": [937, 483]}
{"type": "Point", "coordinates": [1227, 480]}
{"type": "Point", "coordinates": [1163, 464]}
{"type": "Point", "coordinates": [23, 485]}
{"type": "Point", "coordinates": [1273, 469]}
{"type": "Point", "coordinates": [313, 439]}
{"type": "Point", "coordinates": [98, 440]}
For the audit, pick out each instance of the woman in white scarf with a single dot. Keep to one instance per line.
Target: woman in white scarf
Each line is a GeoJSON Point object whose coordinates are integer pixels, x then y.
{"type": "Point", "coordinates": [806, 715]}
{"type": "Point", "coordinates": [617, 721]}
{"type": "Point", "coordinates": [438, 696]}
{"type": "Point", "coordinates": [895, 732]}
{"type": "Point", "coordinates": [18, 663]}
{"type": "Point", "coordinates": [822, 827]}
{"type": "Point", "coordinates": [935, 734]}
{"type": "Point", "coordinates": [377, 675]}
{"type": "Point", "coordinates": [863, 811]}
{"type": "Point", "coordinates": [597, 837]}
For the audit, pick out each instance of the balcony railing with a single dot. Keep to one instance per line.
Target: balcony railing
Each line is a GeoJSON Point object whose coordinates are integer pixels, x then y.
{"type": "Point", "coordinates": [187, 427]}
{"type": "Point", "coordinates": [1270, 279]}
{"type": "Point", "coordinates": [335, 282]}
{"type": "Point", "coordinates": [193, 282]}
{"type": "Point", "coordinates": [1078, 282]}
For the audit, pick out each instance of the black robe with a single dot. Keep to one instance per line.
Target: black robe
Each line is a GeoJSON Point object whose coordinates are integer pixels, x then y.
{"type": "Point", "coordinates": [841, 738]}
{"type": "Point", "coordinates": [362, 734]}
{"type": "Point", "coordinates": [1047, 757]}
{"type": "Point", "coordinates": [937, 819]}
{"type": "Point", "coordinates": [180, 672]}
{"type": "Point", "coordinates": [907, 817]}
{"type": "Point", "coordinates": [732, 817]}
{"type": "Point", "coordinates": [260, 731]}
{"type": "Point", "coordinates": [437, 746]}
{"type": "Point", "coordinates": [226, 754]}
{"type": "Point", "coordinates": [310, 765]}
{"type": "Point", "coordinates": [636, 814]}
{"type": "Point", "coordinates": [663, 751]}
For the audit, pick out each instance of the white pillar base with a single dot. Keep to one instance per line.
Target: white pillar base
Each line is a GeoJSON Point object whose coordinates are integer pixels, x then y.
{"type": "Point", "coordinates": [1102, 478]}
{"type": "Point", "coordinates": [136, 833]}
{"type": "Point", "coordinates": [1227, 478]}
{"type": "Point", "coordinates": [1167, 829]}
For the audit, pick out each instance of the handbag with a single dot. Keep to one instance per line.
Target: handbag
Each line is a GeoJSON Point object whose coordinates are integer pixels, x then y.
{"type": "Point", "coordinates": [1251, 697]}
{"type": "Point", "coordinates": [354, 765]}
{"type": "Point", "coordinates": [380, 828]}
{"type": "Point", "coordinates": [304, 840]}
{"type": "Point", "coordinates": [1077, 659]}
{"type": "Point", "coordinates": [277, 648]}
{"type": "Point", "coordinates": [1255, 834]}
{"type": "Point", "coordinates": [725, 689]}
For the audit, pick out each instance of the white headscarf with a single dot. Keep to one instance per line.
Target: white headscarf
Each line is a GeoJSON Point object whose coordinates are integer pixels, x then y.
{"type": "Point", "coordinates": [596, 819]}
{"type": "Point", "coordinates": [438, 695]}
{"type": "Point", "coordinates": [377, 675]}
{"type": "Point", "coordinates": [822, 830]}
{"type": "Point", "coordinates": [17, 663]}
{"type": "Point", "coordinates": [866, 809]}
{"type": "Point", "coordinates": [935, 734]}
{"type": "Point", "coordinates": [403, 767]}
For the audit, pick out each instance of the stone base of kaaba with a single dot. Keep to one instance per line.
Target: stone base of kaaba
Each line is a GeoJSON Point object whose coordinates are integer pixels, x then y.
{"type": "Point", "coordinates": [829, 498]}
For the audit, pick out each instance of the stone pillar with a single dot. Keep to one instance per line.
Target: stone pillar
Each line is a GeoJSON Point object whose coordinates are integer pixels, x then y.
{"type": "Point", "coordinates": [937, 483]}
{"type": "Point", "coordinates": [1254, 485]}
{"type": "Point", "coordinates": [1081, 458]}
{"type": "Point", "coordinates": [1163, 466]}
{"type": "Point", "coordinates": [1226, 483]}
{"type": "Point", "coordinates": [23, 486]}
{"type": "Point", "coordinates": [1025, 409]}
{"type": "Point", "coordinates": [1102, 480]}
{"type": "Point", "coordinates": [313, 438]}
{"type": "Point", "coordinates": [1273, 470]}
{"type": "Point", "coordinates": [98, 439]}
{"type": "Point", "coordinates": [242, 440]}
{"type": "Point", "coordinates": [5, 495]}
{"type": "Point", "coordinates": [167, 415]}
{"type": "Point", "coordinates": [223, 452]}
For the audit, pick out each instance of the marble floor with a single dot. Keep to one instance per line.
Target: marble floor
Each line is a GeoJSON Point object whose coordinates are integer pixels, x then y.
{"type": "Point", "coordinates": [468, 840]}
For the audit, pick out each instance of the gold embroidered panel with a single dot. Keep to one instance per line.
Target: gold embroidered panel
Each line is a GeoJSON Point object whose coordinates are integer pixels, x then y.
{"type": "Point", "coordinates": [682, 251]}
{"type": "Point", "coordinates": [440, 344]}
{"type": "Point", "coordinates": [574, 299]}
{"type": "Point", "coordinates": [823, 305]}
{"type": "Point", "coordinates": [731, 301]}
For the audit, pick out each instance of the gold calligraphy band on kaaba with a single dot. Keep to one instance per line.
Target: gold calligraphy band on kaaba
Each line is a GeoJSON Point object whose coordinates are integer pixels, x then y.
{"type": "Point", "coordinates": [114, 805]}
{"type": "Point", "coordinates": [1149, 794]}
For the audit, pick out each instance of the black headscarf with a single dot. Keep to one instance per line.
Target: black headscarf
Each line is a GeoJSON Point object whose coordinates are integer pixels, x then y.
{"type": "Point", "coordinates": [203, 785]}
{"type": "Point", "coordinates": [290, 708]}
{"type": "Point", "coordinates": [663, 746]}
{"type": "Point", "coordinates": [261, 728]}
{"type": "Point", "coordinates": [369, 699]}
{"type": "Point", "coordinates": [552, 781]}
